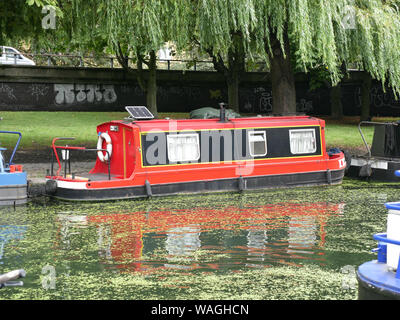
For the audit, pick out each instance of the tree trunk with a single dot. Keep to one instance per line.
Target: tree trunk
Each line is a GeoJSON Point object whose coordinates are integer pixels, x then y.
{"type": "Point", "coordinates": [365, 97]}
{"type": "Point", "coordinates": [282, 78]}
{"type": "Point", "coordinates": [151, 88]}
{"type": "Point", "coordinates": [121, 57]}
{"type": "Point", "coordinates": [149, 85]}
{"type": "Point", "coordinates": [236, 67]}
{"type": "Point", "coordinates": [233, 92]}
{"type": "Point", "coordinates": [336, 102]}
{"type": "Point", "coordinates": [232, 69]}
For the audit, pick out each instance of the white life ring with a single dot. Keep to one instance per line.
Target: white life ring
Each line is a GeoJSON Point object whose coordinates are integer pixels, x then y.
{"type": "Point", "coordinates": [100, 154]}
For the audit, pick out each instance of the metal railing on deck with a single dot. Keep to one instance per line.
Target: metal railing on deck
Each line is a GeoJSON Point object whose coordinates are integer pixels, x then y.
{"type": "Point", "coordinates": [68, 158]}
{"type": "Point", "coordinates": [10, 162]}
{"type": "Point", "coordinates": [382, 249]}
{"type": "Point", "coordinates": [362, 135]}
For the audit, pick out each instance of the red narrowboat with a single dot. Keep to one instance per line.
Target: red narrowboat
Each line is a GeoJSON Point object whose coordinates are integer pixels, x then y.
{"type": "Point", "coordinates": [142, 157]}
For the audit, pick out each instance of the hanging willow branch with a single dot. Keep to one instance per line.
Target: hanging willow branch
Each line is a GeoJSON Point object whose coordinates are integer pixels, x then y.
{"type": "Point", "coordinates": [320, 32]}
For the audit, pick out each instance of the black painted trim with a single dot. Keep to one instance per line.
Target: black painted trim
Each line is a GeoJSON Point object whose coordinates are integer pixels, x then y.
{"type": "Point", "coordinates": [278, 144]}
{"type": "Point", "coordinates": [367, 291]}
{"type": "Point", "coordinates": [207, 186]}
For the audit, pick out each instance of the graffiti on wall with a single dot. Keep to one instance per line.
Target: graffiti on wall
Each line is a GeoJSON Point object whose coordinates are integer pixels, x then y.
{"type": "Point", "coordinates": [264, 99]}
{"type": "Point", "coordinates": [89, 93]}
{"type": "Point", "coordinates": [259, 100]}
{"type": "Point", "coordinates": [172, 92]}
{"type": "Point", "coordinates": [381, 99]}
{"type": "Point", "coordinates": [181, 97]}
{"type": "Point", "coordinates": [304, 106]}
{"type": "Point", "coordinates": [7, 92]}
{"type": "Point", "coordinates": [382, 102]}
{"type": "Point", "coordinates": [215, 94]}
{"type": "Point", "coordinates": [38, 90]}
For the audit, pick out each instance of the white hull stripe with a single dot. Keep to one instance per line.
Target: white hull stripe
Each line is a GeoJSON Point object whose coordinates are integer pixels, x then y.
{"type": "Point", "coordinates": [71, 185]}
{"type": "Point", "coordinates": [376, 164]}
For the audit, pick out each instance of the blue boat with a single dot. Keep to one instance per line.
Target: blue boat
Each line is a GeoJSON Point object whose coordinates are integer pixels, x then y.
{"type": "Point", "coordinates": [380, 279]}
{"type": "Point", "coordinates": [13, 180]}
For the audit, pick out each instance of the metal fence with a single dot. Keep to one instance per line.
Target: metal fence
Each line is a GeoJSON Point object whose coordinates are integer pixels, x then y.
{"type": "Point", "coordinates": [75, 60]}
{"type": "Point", "coordinates": [80, 61]}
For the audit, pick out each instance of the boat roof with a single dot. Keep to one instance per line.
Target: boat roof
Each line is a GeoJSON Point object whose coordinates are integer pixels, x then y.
{"type": "Point", "coordinates": [198, 124]}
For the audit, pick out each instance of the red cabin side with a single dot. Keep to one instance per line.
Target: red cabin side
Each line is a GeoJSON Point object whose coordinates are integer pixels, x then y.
{"type": "Point", "coordinates": [123, 155]}
{"type": "Point", "coordinates": [127, 153]}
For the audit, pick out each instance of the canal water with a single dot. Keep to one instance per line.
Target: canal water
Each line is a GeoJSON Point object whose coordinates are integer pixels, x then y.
{"type": "Point", "coordinates": [301, 243]}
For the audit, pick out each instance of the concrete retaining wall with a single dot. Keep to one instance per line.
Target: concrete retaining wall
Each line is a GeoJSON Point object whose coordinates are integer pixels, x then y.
{"type": "Point", "coordinates": [95, 89]}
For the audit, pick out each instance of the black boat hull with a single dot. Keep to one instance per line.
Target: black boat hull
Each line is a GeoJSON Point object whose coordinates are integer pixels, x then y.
{"type": "Point", "coordinates": [380, 169]}
{"type": "Point", "coordinates": [206, 186]}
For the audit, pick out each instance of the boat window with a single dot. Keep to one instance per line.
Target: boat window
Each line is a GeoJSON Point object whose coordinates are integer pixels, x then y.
{"type": "Point", "coordinates": [183, 147]}
{"type": "Point", "coordinates": [302, 141]}
{"type": "Point", "coordinates": [258, 143]}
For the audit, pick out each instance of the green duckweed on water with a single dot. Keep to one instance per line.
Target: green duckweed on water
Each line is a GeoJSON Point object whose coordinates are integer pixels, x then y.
{"type": "Point", "coordinates": [296, 244]}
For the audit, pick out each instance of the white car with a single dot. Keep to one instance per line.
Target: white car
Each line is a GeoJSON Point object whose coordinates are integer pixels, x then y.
{"type": "Point", "coordinates": [12, 56]}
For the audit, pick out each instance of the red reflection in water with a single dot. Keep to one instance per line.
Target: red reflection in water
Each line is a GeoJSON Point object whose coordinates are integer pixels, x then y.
{"type": "Point", "coordinates": [304, 221]}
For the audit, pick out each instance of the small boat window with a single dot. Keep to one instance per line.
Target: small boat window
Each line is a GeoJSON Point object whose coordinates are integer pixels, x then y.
{"type": "Point", "coordinates": [183, 147]}
{"type": "Point", "coordinates": [258, 143]}
{"type": "Point", "coordinates": [302, 141]}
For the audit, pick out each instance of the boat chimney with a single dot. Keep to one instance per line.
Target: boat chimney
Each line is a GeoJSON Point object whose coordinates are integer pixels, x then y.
{"type": "Point", "coordinates": [222, 115]}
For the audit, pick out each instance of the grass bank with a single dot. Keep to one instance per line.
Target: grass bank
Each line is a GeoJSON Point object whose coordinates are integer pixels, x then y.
{"type": "Point", "coordinates": [39, 128]}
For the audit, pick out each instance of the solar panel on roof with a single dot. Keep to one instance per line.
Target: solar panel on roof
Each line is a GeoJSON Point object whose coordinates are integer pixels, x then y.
{"type": "Point", "coordinates": [139, 112]}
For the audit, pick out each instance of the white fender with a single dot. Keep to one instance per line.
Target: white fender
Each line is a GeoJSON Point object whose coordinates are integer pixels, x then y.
{"type": "Point", "coordinates": [100, 154]}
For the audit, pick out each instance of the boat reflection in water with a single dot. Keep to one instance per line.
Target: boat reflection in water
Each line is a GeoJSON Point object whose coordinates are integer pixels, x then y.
{"type": "Point", "coordinates": [10, 233]}
{"type": "Point", "coordinates": [13, 227]}
{"type": "Point", "coordinates": [256, 244]}
{"type": "Point", "coordinates": [182, 242]}
{"type": "Point", "coordinates": [226, 237]}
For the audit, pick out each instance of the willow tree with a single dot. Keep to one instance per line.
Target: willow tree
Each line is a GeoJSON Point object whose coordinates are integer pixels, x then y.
{"type": "Point", "coordinates": [302, 35]}
{"type": "Point", "coordinates": [21, 20]}
{"type": "Point", "coordinates": [222, 29]}
{"type": "Point", "coordinates": [133, 30]}
{"type": "Point", "coordinates": [308, 34]}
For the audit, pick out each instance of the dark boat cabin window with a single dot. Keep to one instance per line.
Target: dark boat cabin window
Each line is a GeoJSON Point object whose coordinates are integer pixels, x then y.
{"type": "Point", "coordinates": [302, 141]}
{"type": "Point", "coordinates": [258, 143]}
{"type": "Point", "coordinates": [183, 147]}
